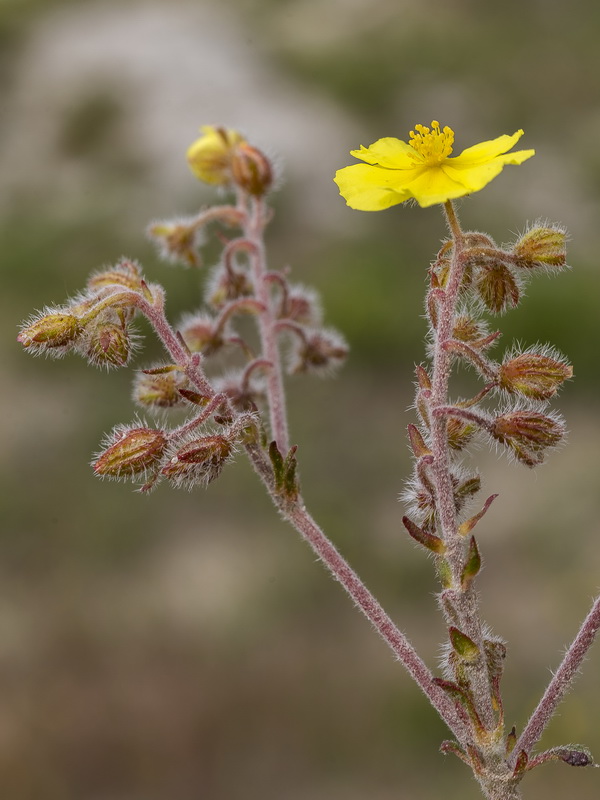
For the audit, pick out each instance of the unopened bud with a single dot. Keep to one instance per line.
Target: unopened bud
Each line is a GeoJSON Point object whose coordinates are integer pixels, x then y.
{"type": "Point", "coordinates": [108, 343]}
{"type": "Point", "coordinates": [159, 389]}
{"type": "Point", "coordinates": [251, 170]}
{"type": "Point", "coordinates": [469, 330]}
{"type": "Point", "coordinates": [126, 273]}
{"type": "Point", "coordinates": [131, 452]}
{"type": "Point", "coordinates": [497, 287]}
{"type": "Point", "coordinates": [52, 332]}
{"type": "Point", "coordinates": [534, 375]}
{"type": "Point", "coordinates": [541, 247]}
{"type": "Point", "coordinates": [227, 285]}
{"type": "Point", "coordinates": [199, 334]}
{"type": "Point", "coordinates": [459, 432]}
{"type": "Point", "coordinates": [178, 242]}
{"type": "Point", "coordinates": [210, 156]}
{"type": "Point", "coordinates": [200, 461]}
{"type": "Point", "coordinates": [528, 434]}
{"type": "Point", "coordinates": [320, 352]}
{"type": "Point", "coordinates": [302, 305]}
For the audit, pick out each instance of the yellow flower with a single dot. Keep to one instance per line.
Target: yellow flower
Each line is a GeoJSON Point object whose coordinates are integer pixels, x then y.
{"type": "Point", "coordinates": [422, 169]}
{"type": "Point", "coordinates": [210, 156]}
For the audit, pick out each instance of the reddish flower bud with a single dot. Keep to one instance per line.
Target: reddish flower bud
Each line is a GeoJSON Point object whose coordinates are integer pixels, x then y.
{"type": "Point", "coordinates": [542, 247]}
{"type": "Point", "coordinates": [130, 452]}
{"type": "Point", "coordinates": [459, 432]}
{"type": "Point", "coordinates": [198, 332]}
{"type": "Point", "coordinates": [534, 375]}
{"type": "Point", "coordinates": [227, 285]}
{"type": "Point", "coordinates": [302, 306]}
{"type": "Point", "coordinates": [467, 329]}
{"type": "Point", "coordinates": [251, 169]}
{"type": "Point", "coordinates": [319, 351]}
{"type": "Point", "coordinates": [497, 287]}
{"type": "Point", "coordinates": [200, 461]}
{"type": "Point", "coordinates": [528, 434]}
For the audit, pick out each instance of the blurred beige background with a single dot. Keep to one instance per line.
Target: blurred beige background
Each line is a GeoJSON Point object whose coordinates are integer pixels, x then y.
{"type": "Point", "coordinates": [186, 646]}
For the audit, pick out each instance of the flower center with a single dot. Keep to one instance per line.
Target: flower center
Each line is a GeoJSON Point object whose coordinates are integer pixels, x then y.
{"type": "Point", "coordinates": [433, 145]}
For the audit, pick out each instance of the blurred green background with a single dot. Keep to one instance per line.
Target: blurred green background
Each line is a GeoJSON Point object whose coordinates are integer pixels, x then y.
{"type": "Point", "coordinates": [187, 646]}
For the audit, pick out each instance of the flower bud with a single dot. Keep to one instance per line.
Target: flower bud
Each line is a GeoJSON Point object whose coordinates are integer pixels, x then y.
{"type": "Point", "coordinates": [319, 352]}
{"type": "Point", "coordinates": [528, 434]}
{"type": "Point", "coordinates": [52, 333]}
{"type": "Point", "coordinates": [130, 452]}
{"type": "Point", "coordinates": [159, 389]}
{"type": "Point", "coordinates": [198, 332]}
{"type": "Point", "coordinates": [251, 170]}
{"type": "Point", "coordinates": [210, 156]}
{"type": "Point", "coordinates": [200, 461]}
{"type": "Point", "coordinates": [226, 285]}
{"type": "Point", "coordinates": [126, 273]}
{"type": "Point", "coordinates": [459, 432]}
{"type": "Point", "coordinates": [541, 247]}
{"type": "Point", "coordinates": [178, 242]}
{"type": "Point", "coordinates": [302, 306]}
{"type": "Point", "coordinates": [467, 329]}
{"type": "Point", "coordinates": [534, 375]}
{"type": "Point", "coordinates": [497, 287]}
{"type": "Point", "coordinates": [108, 343]}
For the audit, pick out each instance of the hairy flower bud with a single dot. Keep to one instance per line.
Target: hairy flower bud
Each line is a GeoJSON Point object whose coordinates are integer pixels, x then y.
{"type": "Point", "coordinates": [534, 375]}
{"type": "Point", "coordinates": [159, 389]}
{"type": "Point", "coordinates": [541, 247]}
{"type": "Point", "coordinates": [199, 462]}
{"type": "Point", "coordinates": [302, 305]}
{"type": "Point", "coordinates": [199, 334]}
{"type": "Point", "coordinates": [53, 333]}
{"type": "Point", "coordinates": [130, 452]}
{"type": "Point", "coordinates": [459, 432]}
{"type": "Point", "coordinates": [226, 285]}
{"type": "Point", "coordinates": [319, 351]}
{"type": "Point", "coordinates": [126, 273]}
{"type": "Point", "coordinates": [251, 170]}
{"type": "Point", "coordinates": [528, 434]}
{"type": "Point", "coordinates": [497, 287]}
{"type": "Point", "coordinates": [108, 342]}
{"type": "Point", "coordinates": [178, 241]}
{"type": "Point", "coordinates": [210, 156]}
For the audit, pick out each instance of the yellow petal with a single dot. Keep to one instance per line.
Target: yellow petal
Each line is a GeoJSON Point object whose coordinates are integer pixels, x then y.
{"type": "Point", "coordinates": [485, 151]}
{"type": "Point", "coordinates": [365, 188]}
{"type": "Point", "coordinates": [434, 186]}
{"type": "Point", "coordinates": [388, 152]}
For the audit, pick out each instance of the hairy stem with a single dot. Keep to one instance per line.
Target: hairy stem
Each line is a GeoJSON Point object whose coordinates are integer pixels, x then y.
{"type": "Point", "coordinates": [464, 601]}
{"type": "Point", "coordinates": [253, 230]}
{"type": "Point", "coordinates": [561, 682]}
{"type": "Point", "coordinates": [299, 517]}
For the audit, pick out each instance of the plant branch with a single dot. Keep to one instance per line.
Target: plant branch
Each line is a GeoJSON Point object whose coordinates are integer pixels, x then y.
{"type": "Point", "coordinates": [561, 682]}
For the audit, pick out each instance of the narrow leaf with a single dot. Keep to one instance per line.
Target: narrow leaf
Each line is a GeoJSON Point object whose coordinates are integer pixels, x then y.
{"type": "Point", "coordinates": [467, 526]}
{"type": "Point", "coordinates": [464, 646]}
{"type": "Point", "coordinates": [417, 443]}
{"type": "Point", "coordinates": [472, 564]}
{"type": "Point", "coordinates": [428, 540]}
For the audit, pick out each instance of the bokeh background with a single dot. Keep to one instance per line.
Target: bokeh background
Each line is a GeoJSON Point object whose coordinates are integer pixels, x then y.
{"type": "Point", "coordinates": [187, 646]}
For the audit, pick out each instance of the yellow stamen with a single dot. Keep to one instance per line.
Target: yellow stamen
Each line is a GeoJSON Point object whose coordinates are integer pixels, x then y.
{"type": "Point", "coordinates": [433, 145]}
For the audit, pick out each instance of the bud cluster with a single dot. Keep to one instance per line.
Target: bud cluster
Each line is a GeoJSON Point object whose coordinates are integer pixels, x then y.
{"type": "Point", "coordinates": [97, 324]}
